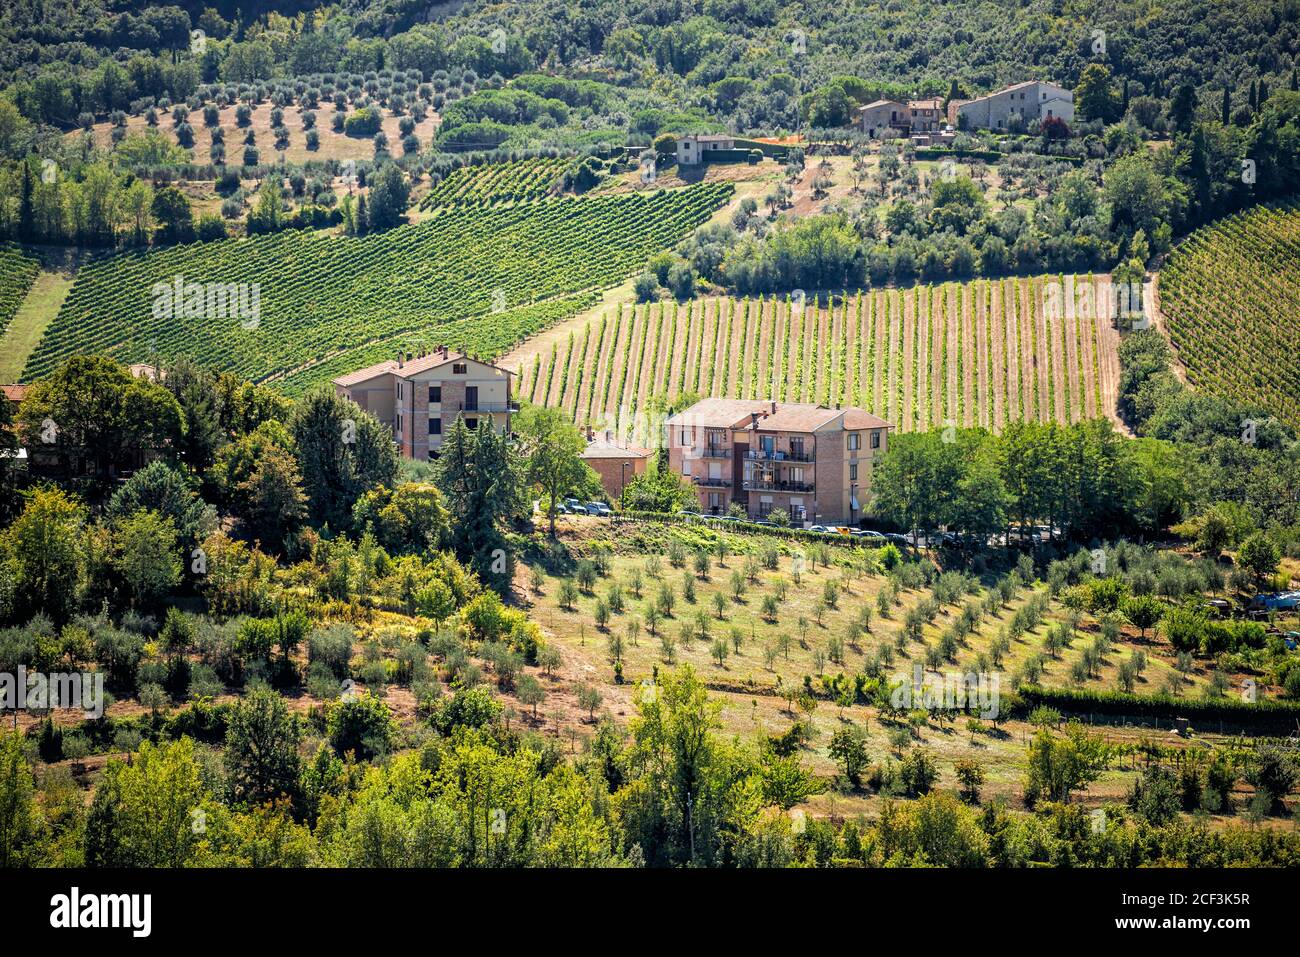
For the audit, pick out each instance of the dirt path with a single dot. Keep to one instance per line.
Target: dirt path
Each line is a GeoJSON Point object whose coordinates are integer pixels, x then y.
{"type": "Point", "coordinates": [735, 347]}
{"type": "Point", "coordinates": [807, 361]}
{"type": "Point", "coordinates": [979, 401]}
{"type": "Point", "coordinates": [649, 355]}
{"type": "Point", "coordinates": [1108, 339]}
{"type": "Point", "coordinates": [997, 350]}
{"type": "Point", "coordinates": [758, 381]}
{"type": "Point", "coordinates": [1075, 406]}
{"type": "Point", "coordinates": [938, 327]}
{"type": "Point", "coordinates": [1088, 344]}
{"type": "Point", "coordinates": [1058, 339]}
{"type": "Point", "coordinates": [956, 342]}
{"type": "Point", "coordinates": [908, 309]}
{"type": "Point", "coordinates": [923, 358]}
{"type": "Point", "coordinates": [866, 367]}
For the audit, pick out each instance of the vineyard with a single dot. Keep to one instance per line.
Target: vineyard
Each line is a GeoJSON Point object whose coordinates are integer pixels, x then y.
{"type": "Point", "coordinates": [1230, 295]}
{"type": "Point", "coordinates": [480, 278]}
{"type": "Point", "coordinates": [983, 353]}
{"type": "Point", "coordinates": [496, 183]}
{"type": "Point", "coordinates": [17, 273]}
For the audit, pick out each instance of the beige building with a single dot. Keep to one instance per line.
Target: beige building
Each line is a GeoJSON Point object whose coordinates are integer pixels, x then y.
{"type": "Point", "coordinates": [811, 461]}
{"type": "Point", "coordinates": [693, 148]}
{"type": "Point", "coordinates": [925, 116]}
{"type": "Point", "coordinates": [617, 463]}
{"type": "Point", "coordinates": [1031, 100]}
{"type": "Point", "coordinates": [419, 397]}
{"type": "Point", "coordinates": [883, 119]}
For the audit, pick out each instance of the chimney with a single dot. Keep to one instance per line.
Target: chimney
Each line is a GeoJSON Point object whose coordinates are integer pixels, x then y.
{"type": "Point", "coordinates": [609, 435]}
{"type": "Point", "coordinates": [399, 359]}
{"type": "Point", "coordinates": [444, 352]}
{"type": "Point", "coordinates": [773, 412]}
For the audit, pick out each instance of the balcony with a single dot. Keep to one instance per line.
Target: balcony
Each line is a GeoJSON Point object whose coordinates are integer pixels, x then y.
{"type": "Point", "coordinates": [758, 485]}
{"type": "Point", "coordinates": [778, 455]}
{"type": "Point", "coordinates": [713, 452]}
{"type": "Point", "coordinates": [711, 482]}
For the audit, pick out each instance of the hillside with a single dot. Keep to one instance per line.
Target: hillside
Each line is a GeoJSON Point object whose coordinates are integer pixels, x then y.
{"type": "Point", "coordinates": [978, 353]}
{"type": "Point", "coordinates": [350, 299]}
{"type": "Point", "coordinates": [1230, 295]}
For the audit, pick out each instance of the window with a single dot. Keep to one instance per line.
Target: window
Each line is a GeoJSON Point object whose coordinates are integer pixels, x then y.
{"type": "Point", "coordinates": [687, 438]}
{"type": "Point", "coordinates": [855, 441]}
{"type": "Point", "coordinates": [875, 440]}
{"type": "Point", "coordinates": [399, 392]}
{"type": "Point", "coordinates": [398, 430]}
{"type": "Point", "coordinates": [796, 476]}
{"type": "Point", "coordinates": [435, 426]}
{"type": "Point", "coordinates": [853, 472]}
{"type": "Point", "coordinates": [458, 368]}
{"type": "Point", "coordinates": [435, 393]}
{"type": "Point", "coordinates": [471, 424]}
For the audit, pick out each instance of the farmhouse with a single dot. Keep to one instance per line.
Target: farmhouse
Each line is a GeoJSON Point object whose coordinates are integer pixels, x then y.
{"type": "Point", "coordinates": [1031, 100]}
{"type": "Point", "coordinates": [813, 462]}
{"type": "Point", "coordinates": [418, 397]}
{"type": "Point", "coordinates": [883, 118]}
{"type": "Point", "coordinates": [925, 116]}
{"type": "Point", "coordinates": [617, 463]}
{"type": "Point", "coordinates": [693, 148]}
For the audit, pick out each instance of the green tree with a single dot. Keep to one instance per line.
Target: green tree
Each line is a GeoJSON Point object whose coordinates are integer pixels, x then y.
{"type": "Point", "coordinates": [92, 410]}
{"type": "Point", "coordinates": [261, 755]}
{"type": "Point", "coordinates": [1259, 555]}
{"type": "Point", "coordinates": [342, 453]}
{"type": "Point", "coordinates": [552, 446]}
{"type": "Point", "coordinates": [146, 555]}
{"type": "Point", "coordinates": [849, 748]}
{"type": "Point", "coordinates": [1095, 94]}
{"type": "Point", "coordinates": [478, 477]}
{"type": "Point", "coordinates": [43, 547]}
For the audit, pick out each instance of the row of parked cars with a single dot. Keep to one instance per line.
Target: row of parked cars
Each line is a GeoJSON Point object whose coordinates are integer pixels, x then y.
{"type": "Point", "coordinates": [571, 506]}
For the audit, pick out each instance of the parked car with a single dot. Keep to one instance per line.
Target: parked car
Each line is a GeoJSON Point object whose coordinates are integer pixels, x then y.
{"type": "Point", "coordinates": [575, 507]}
{"type": "Point", "coordinates": [599, 508]}
{"type": "Point", "coordinates": [868, 534]}
{"type": "Point", "coordinates": [820, 530]}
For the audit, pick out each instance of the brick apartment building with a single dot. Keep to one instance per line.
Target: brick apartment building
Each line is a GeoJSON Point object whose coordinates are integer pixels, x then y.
{"type": "Point", "coordinates": [812, 461]}
{"type": "Point", "coordinates": [616, 462]}
{"type": "Point", "coordinates": [419, 397]}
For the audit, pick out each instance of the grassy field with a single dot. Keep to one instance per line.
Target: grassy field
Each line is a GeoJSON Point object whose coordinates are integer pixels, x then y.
{"type": "Point", "coordinates": [33, 316]}
{"type": "Point", "coordinates": [978, 353]}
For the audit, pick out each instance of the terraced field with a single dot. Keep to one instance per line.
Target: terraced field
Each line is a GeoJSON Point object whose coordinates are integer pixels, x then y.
{"type": "Point", "coordinates": [1230, 297]}
{"type": "Point", "coordinates": [983, 353]}
{"type": "Point", "coordinates": [479, 278]}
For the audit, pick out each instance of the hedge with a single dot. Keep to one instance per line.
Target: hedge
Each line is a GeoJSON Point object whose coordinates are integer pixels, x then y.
{"type": "Point", "coordinates": [1274, 715]}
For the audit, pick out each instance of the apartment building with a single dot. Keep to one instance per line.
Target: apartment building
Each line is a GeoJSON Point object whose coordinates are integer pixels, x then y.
{"type": "Point", "coordinates": [420, 396]}
{"type": "Point", "coordinates": [811, 461]}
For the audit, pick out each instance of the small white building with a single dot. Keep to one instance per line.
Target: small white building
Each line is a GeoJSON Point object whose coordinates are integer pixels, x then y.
{"type": "Point", "coordinates": [693, 148]}
{"type": "Point", "coordinates": [1031, 100]}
